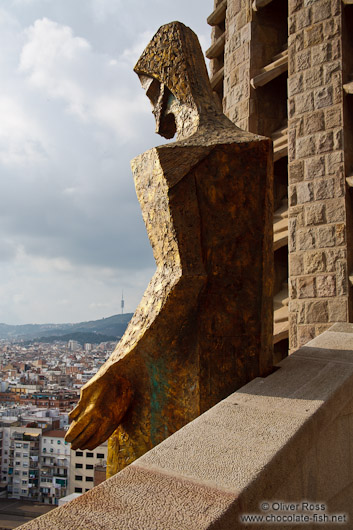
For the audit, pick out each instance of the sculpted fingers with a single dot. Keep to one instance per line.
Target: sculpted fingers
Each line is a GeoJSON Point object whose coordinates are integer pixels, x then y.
{"type": "Point", "coordinates": [80, 441]}
{"type": "Point", "coordinates": [78, 425]}
{"type": "Point", "coordinates": [85, 399]}
{"type": "Point", "coordinates": [101, 408]}
{"type": "Point", "coordinates": [72, 433]}
{"type": "Point", "coordinates": [75, 413]}
{"type": "Point", "coordinates": [97, 438]}
{"type": "Point", "coordinates": [91, 435]}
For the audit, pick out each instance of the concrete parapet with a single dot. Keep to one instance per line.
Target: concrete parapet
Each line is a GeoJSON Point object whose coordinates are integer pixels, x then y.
{"type": "Point", "coordinates": [280, 447]}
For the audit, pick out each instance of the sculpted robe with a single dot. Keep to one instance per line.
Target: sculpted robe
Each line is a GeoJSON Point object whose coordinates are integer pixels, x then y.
{"type": "Point", "coordinates": [204, 325]}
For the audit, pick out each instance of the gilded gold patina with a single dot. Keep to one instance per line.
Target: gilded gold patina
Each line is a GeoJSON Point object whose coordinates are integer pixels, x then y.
{"type": "Point", "coordinates": [204, 325]}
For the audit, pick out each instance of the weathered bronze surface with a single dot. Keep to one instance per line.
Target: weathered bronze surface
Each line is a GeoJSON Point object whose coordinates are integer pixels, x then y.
{"type": "Point", "coordinates": [204, 325]}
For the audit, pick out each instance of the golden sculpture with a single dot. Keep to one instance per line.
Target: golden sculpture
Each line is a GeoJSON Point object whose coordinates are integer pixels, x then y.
{"type": "Point", "coordinates": [204, 325]}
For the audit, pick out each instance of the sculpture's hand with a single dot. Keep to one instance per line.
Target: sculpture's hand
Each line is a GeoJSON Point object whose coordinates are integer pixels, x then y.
{"type": "Point", "coordinates": [103, 403]}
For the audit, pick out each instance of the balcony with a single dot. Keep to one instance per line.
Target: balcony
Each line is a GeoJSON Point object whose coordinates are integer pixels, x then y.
{"type": "Point", "coordinates": [60, 475]}
{"type": "Point", "coordinates": [60, 483]}
{"type": "Point", "coordinates": [46, 472]}
{"type": "Point", "coordinates": [283, 437]}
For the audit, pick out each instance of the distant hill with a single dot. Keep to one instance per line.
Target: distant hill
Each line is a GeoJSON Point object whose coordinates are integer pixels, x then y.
{"type": "Point", "coordinates": [79, 336]}
{"type": "Point", "coordinates": [112, 327]}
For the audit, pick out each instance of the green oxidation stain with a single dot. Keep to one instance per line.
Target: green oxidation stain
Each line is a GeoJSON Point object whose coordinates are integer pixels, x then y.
{"type": "Point", "coordinates": [158, 375]}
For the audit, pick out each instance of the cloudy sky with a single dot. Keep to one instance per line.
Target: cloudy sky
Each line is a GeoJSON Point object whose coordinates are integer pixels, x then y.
{"type": "Point", "coordinates": [72, 115]}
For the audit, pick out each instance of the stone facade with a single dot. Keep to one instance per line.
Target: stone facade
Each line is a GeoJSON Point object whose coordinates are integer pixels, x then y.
{"type": "Point", "coordinates": [287, 74]}
{"type": "Point", "coordinates": [319, 263]}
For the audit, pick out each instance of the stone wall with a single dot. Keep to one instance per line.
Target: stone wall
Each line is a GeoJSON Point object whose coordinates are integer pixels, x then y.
{"type": "Point", "coordinates": [318, 266]}
{"type": "Point", "coordinates": [309, 44]}
{"type": "Point", "coordinates": [237, 102]}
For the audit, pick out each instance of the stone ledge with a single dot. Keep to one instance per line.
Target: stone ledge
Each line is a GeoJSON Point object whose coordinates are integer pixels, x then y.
{"type": "Point", "coordinates": [284, 438]}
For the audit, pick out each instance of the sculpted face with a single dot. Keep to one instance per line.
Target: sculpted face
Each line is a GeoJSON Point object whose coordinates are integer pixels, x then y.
{"type": "Point", "coordinates": [162, 102]}
{"type": "Point", "coordinates": [172, 116]}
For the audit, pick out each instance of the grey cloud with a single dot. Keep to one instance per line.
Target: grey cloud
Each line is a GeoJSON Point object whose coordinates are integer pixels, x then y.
{"type": "Point", "coordinates": [72, 197]}
{"type": "Point", "coordinates": [7, 250]}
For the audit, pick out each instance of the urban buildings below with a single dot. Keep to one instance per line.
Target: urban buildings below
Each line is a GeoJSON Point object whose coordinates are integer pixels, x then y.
{"type": "Point", "coordinates": [84, 466]}
{"type": "Point", "coordinates": [39, 386]}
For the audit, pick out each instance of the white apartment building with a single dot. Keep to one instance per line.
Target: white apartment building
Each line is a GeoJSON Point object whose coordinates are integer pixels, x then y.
{"type": "Point", "coordinates": [73, 345]}
{"type": "Point", "coordinates": [82, 467]}
{"type": "Point", "coordinates": [54, 466]}
{"type": "Point", "coordinates": [20, 461]}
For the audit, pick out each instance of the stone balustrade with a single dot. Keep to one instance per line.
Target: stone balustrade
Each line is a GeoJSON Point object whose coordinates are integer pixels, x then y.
{"type": "Point", "coordinates": [278, 447]}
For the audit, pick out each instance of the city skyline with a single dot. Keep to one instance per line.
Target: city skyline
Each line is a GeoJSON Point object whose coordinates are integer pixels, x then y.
{"type": "Point", "coordinates": [73, 116]}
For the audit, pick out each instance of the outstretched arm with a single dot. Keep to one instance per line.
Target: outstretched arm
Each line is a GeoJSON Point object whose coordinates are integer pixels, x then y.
{"type": "Point", "coordinates": [103, 403]}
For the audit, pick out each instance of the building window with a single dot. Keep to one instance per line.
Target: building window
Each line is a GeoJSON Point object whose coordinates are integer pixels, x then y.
{"type": "Point", "coordinates": [58, 442]}
{"type": "Point", "coordinates": [89, 479]}
{"type": "Point", "coordinates": [89, 455]}
{"type": "Point", "coordinates": [89, 466]}
{"type": "Point", "coordinates": [17, 472]}
{"type": "Point", "coordinates": [17, 463]}
{"type": "Point", "coordinates": [78, 477]}
{"type": "Point", "coordinates": [24, 473]}
{"type": "Point", "coordinates": [78, 490]}
{"type": "Point", "coordinates": [79, 466]}
{"type": "Point", "coordinates": [18, 455]}
{"type": "Point", "coordinates": [100, 455]}
{"type": "Point", "coordinates": [25, 446]}
{"type": "Point", "coordinates": [24, 481]}
{"type": "Point", "coordinates": [24, 491]}
{"type": "Point", "coordinates": [79, 453]}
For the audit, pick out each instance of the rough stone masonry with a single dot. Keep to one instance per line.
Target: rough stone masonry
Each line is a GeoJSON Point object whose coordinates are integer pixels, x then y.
{"type": "Point", "coordinates": [316, 116]}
